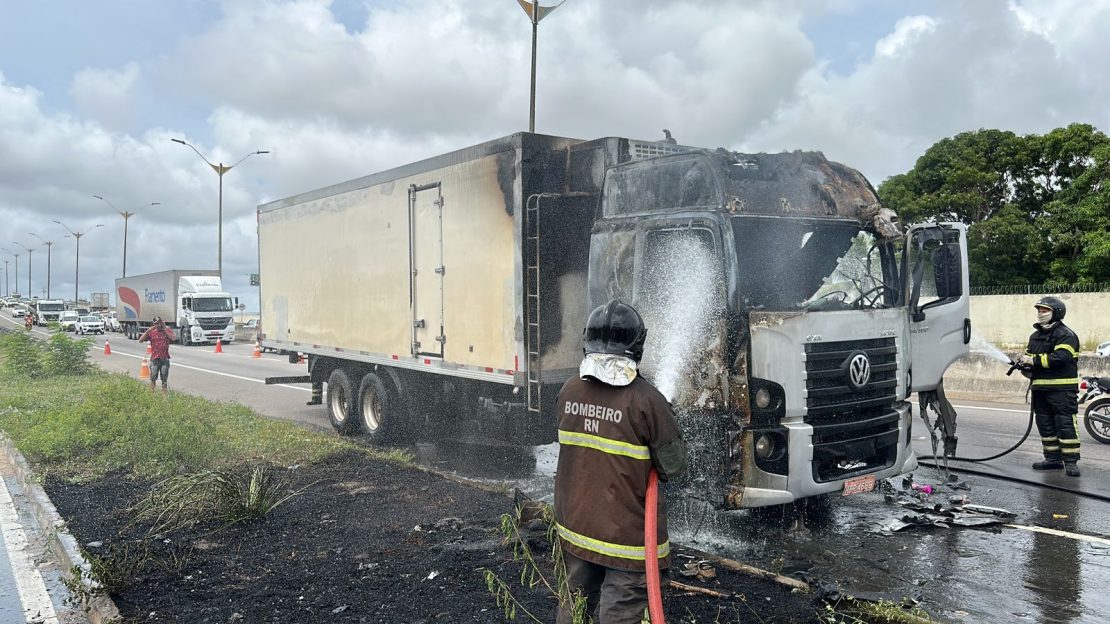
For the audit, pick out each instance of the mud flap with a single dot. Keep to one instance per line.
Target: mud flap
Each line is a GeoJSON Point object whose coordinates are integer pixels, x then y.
{"type": "Point", "coordinates": [935, 401]}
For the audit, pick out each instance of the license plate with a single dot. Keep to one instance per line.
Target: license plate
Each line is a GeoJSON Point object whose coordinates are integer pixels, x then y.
{"type": "Point", "coordinates": [859, 485]}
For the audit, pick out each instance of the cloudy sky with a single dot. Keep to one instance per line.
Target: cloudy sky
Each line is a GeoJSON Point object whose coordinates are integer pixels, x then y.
{"type": "Point", "coordinates": [92, 92]}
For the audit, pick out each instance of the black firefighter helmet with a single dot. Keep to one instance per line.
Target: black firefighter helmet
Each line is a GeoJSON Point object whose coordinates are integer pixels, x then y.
{"type": "Point", "coordinates": [615, 328]}
{"type": "Point", "coordinates": [1052, 303]}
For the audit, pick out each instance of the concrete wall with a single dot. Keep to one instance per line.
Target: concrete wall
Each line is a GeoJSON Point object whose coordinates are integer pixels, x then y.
{"type": "Point", "coordinates": [984, 379]}
{"type": "Point", "coordinates": [1007, 320]}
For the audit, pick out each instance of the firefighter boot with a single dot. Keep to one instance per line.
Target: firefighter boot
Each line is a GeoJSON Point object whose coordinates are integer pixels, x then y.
{"type": "Point", "coordinates": [1072, 469]}
{"type": "Point", "coordinates": [1049, 464]}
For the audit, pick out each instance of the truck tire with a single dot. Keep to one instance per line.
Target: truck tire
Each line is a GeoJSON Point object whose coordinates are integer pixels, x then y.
{"type": "Point", "coordinates": [381, 418]}
{"type": "Point", "coordinates": [342, 403]}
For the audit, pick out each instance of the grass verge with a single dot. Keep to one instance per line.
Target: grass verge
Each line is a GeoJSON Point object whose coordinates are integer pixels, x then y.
{"type": "Point", "coordinates": [81, 427]}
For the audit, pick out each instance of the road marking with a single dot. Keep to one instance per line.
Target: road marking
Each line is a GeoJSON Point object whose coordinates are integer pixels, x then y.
{"type": "Point", "coordinates": [991, 409]}
{"type": "Point", "coordinates": [28, 580]}
{"type": "Point", "coordinates": [1057, 532]}
{"type": "Point", "coordinates": [212, 372]}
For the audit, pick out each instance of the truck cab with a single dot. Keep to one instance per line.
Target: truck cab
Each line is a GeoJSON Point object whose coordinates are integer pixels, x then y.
{"type": "Point", "coordinates": [48, 310]}
{"type": "Point", "coordinates": [789, 315]}
{"type": "Point", "coordinates": [204, 311]}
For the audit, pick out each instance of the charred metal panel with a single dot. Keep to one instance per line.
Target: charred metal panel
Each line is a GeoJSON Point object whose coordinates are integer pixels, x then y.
{"type": "Point", "coordinates": [794, 184]}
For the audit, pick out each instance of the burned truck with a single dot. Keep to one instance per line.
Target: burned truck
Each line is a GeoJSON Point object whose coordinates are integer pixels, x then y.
{"type": "Point", "coordinates": [789, 315]}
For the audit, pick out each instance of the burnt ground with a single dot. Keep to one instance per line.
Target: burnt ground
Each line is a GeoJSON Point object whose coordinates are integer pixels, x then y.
{"type": "Point", "coordinates": [365, 541]}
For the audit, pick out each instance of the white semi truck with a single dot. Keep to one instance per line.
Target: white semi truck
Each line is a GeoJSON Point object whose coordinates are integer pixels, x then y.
{"type": "Point", "coordinates": [193, 302]}
{"type": "Point", "coordinates": [790, 316]}
{"type": "Point", "coordinates": [48, 310]}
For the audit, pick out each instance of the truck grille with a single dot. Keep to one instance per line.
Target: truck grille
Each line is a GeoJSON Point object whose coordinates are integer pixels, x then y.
{"type": "Point", "coordinates": [213, 323]}
{"type": "Point", "coordinates": [830, 396]}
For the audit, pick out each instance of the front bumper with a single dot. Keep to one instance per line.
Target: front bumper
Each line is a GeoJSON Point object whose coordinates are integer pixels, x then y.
{"type": "Point", "coordinates": [805, 456]}
{"type": "Point", "coordinates": [198, 334]}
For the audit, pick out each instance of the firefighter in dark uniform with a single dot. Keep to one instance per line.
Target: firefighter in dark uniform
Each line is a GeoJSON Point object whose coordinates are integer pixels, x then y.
{"type": "Point", "coordinates": [614, 426]}
{"type": "Point", "coordinates": [1050, 362]}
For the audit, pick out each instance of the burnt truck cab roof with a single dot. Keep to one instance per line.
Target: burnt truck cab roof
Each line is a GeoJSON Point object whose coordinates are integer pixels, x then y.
{"type": "Point", "coordinates": [782, 228]}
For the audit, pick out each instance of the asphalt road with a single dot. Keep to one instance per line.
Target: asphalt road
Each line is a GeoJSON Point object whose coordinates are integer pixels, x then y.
{"type": "Point", "coordinates": [1049, 564]}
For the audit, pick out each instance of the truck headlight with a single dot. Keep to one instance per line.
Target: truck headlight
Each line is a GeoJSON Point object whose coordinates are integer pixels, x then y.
{"type": "Point", "coordinates": [764, 446]}
{"type": "Point", "coordinates": [762, 398]}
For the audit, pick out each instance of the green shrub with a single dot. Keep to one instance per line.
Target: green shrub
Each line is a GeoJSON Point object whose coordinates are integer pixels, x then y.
{"type": "Point", "coordinates": [67, 356]}
{"type": "Point", "coordinates": [22, 356]}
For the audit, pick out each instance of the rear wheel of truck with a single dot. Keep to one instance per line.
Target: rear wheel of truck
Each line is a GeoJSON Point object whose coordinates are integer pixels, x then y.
{"type": "Point", "coordinates": [342, 403]}
{"type": "Point", "coordinates": [380, 417]}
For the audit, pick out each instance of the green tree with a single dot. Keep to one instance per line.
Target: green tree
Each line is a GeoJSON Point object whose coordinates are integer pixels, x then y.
{"type": "Point", "coordinates": [1037, 206]}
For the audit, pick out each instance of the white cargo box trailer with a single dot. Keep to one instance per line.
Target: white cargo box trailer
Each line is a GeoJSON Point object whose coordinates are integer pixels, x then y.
{"type": "Point", "coordinates": [428, 289]}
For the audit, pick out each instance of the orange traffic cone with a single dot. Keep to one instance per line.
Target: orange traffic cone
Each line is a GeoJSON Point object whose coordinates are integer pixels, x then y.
{"type": "Point", "coordinates": [149, 349]}
{"type": "Point", "coordinates": [219, 346]}
{"type": "Point", "coordinates": [257, 351]}
{"type": "Point", "coordinates": [107, 347]}
{"type": "Point", "coordinates": [144, 370]}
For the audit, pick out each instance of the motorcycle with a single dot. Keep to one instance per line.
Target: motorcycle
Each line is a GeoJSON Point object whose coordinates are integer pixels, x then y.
{"type": "Point", "coordinates": [29, 321]}
{"type": "Point", "coordinates": [1096, 418]}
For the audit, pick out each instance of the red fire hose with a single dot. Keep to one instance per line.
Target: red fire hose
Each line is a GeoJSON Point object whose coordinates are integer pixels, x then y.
{"type": "Point", "coordinates": [651, 549]}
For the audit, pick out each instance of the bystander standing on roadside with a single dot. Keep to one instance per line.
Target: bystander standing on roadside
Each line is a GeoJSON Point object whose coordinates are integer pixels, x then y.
{"type": "Point", "coordinates": [159, 336]}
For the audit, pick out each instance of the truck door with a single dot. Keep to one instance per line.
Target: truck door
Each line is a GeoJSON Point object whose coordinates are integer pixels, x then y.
{"type": "Point", "coordinates": [938, 303]}
{"type": "Point", "coordinates": [426, 271]}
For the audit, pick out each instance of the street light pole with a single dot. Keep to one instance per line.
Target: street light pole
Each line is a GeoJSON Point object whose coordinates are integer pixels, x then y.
{"type": "Point", "coordinates": [16, 264]}
{"type": "Point", "coordinates": [535, 13]}
{"type": "Point", "coordinates": [126, 215]}
{"type": "Point", "coordinates": [48, 244]}
{"type": "Point", "coordinates": [6, 291]}
{"type": "Point", "coordinates": [77, 258]}
{"type": "Point", "coordinates": [29, 250]}
{"type": "Point", "coordinates": [220, 170]}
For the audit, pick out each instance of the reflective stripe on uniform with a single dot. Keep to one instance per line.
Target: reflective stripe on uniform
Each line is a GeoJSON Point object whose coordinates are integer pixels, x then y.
{"type": "Point", "coordinates": [605, 445]}
{"type": "Point", "coordinates": [1068, 348]}
{"type": "Point", "coordinates": [620, 551]}
{"type": "Point", "coordinates": [1056, 382]}
{"type": "Point", "coordinates": [1044, 360]}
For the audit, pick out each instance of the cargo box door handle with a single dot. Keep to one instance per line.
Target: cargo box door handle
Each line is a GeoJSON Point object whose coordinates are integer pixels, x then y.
{"type": "Point", "coordinates": [419, 323]}
{"type": "Point", "coordinates": [440, 270]}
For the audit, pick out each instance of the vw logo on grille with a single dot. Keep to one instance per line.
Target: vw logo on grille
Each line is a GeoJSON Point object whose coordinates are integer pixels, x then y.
{"type": "Point", "coordinates": [859, 370]}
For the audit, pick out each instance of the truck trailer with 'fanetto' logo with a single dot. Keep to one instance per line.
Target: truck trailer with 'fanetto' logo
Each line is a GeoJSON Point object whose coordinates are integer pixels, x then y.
{"type": "Point", "coordinates": [193, 302]}
{"type": "Point", "coordinates": [789, 315]}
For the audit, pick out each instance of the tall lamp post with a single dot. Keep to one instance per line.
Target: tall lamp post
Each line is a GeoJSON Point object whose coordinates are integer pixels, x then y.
{"type": "Point", "coordinates": [126, 216]}
{"type": "Point", "coordinates": [28, 250]}
{"type": "Point", "coordinates": [77, 258]}
{"type": "Point", "coordinates": [6, 291]}
{"type": "Point", "coordinates": [48, 245]}
{"type": "Point", "coordinates": [16, 265]}
{"type": "Point", "coordinates": [535, 13]}
{"type": "Point", "coordinates": [220, 170]}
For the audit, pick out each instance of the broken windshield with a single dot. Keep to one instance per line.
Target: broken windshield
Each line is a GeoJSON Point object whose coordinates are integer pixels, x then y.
{"type": "Point", "coordinates": [809, 264]}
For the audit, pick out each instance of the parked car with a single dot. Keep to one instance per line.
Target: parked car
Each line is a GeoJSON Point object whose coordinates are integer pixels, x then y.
{"type": "Point", "coordinates": [89, 324]}
{"type": "Point", "coordinates": [18, 311]}
{"type": "Point", "coordinates": [68, 320]}
{"type": "Point", "coordinates": [1103, 349]}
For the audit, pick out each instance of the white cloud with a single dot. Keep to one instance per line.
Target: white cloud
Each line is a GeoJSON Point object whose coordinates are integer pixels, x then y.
{"type": "Point", "coordinates": [906, 33]}
{"type": "Point", "coordinates": [107, 96]}
{"type": "Point", "coordinates": [421, 77]}
{"type": "Point", "coordinates": [975, 65]}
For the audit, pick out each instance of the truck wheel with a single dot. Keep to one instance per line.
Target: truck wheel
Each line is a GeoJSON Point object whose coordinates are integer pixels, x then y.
{"type": "Point", "coordinates": [380, 418]}
{"type": "Point", "coordinates": [342, 403]}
